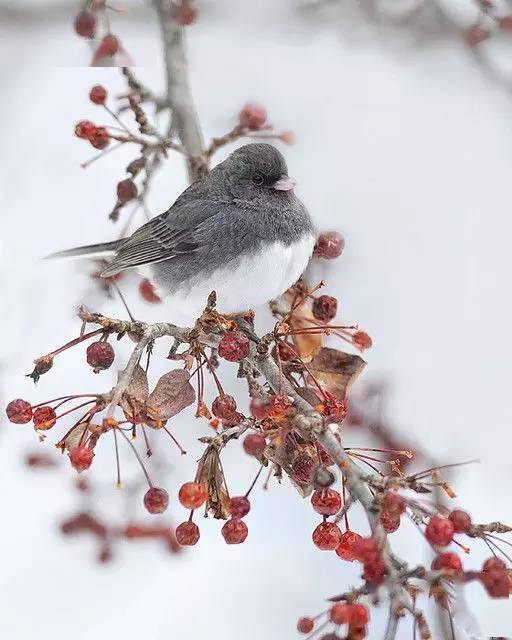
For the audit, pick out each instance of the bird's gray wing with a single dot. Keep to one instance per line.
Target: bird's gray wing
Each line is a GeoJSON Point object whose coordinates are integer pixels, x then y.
{"type": "Point", "coordinates": [173, 233]}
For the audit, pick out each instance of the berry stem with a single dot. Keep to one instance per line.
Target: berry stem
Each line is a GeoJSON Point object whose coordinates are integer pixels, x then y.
{"type": "Point", "coordinates": [139, 459]}
{"type": "Point", "coordinates": [254, 482]}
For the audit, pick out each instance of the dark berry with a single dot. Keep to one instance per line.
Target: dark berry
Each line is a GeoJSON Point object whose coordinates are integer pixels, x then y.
{"type": "Point", "coordinates": [126, 190]}
{"type": "Point", "coordinates": [254, 444]}
{"type": "Point", "coordinates": [234, 346]}
{"type": "Point", "coordinates": [187, 533]}
{"type": "Point", "coordinates": [329, 245]}
{"type": "Point", "coordinates": [109, 46]}
{"type": "Point", "coordinates": [99, 138]}
{"type": "Point", "coordinates": [156, 500]}
{"type": "Point", "coordinates": [303, 467]}
{"type": "Point", "coordinates": [305, 625]}
{"type": "Point", "coordinates": [234, 531]}
{"type": "Point", "coordinates": [224, 407]}
{"type": "Point", "coordinates": [100, 355]}
{"type": "Point", "coordinates": [19, 411]}
{"type": "Point", "coordinates": [85, 24]}
{"type": "Point", "coordinates": [461, 521]}
{"type": "Point", "coordinates": [325, 308]}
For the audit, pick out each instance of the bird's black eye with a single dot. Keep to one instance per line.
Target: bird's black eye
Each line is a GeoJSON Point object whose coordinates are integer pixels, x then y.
{"type": "Point", "coordinates": [258, 179]}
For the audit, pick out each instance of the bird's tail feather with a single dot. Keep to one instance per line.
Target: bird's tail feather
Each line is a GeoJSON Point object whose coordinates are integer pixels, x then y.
{"type": "Point", "coordinates": [102, 250]}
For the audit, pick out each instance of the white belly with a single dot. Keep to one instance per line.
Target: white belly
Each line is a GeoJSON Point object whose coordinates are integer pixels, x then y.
{"type": "Point", "coordinates": [257, 279]}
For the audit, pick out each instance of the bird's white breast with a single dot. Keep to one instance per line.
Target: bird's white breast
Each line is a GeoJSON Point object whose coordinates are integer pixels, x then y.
{"type": "Point", "coordinates": [257, 278]}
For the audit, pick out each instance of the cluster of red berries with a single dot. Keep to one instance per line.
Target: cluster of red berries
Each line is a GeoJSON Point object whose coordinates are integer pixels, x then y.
{"type": "Point", "coordinates": [353, 614]}
{"type": "Point", "coordinates": [86, 26]}
{"type": "Point", "coordinates": [97, 136]}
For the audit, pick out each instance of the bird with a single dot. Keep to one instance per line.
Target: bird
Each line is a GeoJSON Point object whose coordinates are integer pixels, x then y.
{"type": "Point", "coordinates": [239, 231]}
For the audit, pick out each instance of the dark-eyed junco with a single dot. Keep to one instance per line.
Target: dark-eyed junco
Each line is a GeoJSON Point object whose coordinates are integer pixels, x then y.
{"type": "Point", "coordinates": [240, 231]}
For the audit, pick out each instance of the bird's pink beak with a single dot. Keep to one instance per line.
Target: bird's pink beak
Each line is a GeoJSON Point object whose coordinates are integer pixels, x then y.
{"type": "Point", "coordinates": [285, 183]}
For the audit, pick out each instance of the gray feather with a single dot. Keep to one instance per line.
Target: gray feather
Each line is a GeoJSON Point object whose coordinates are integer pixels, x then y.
{"type": "Point", "coordinates": [103, 250]}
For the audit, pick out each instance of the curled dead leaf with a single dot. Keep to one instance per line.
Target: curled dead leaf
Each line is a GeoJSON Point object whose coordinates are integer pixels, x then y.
{"type": "Point", "coordinates": [336, 370]}
{"type": "Point", "coordinates": [172, 393]}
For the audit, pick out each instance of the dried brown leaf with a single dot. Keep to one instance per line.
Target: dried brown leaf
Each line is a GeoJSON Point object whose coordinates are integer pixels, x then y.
{"type": "Point", "coordinates": [212, 476]}
{"type": "Point", "coordinates": [172, 394]}
{"type": "Point", "coordinates": [336, 370]}
{"type": "Point", "coordinates": [134, 398]}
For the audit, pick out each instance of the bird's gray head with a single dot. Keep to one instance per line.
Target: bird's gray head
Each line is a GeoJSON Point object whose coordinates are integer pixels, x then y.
{"type": "Point", "coordinates": [257, 172]}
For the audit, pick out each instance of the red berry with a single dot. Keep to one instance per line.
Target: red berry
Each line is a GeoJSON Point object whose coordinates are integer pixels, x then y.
{"type": "Point", "coordinates": [449, 562]}
{"type": "Point", "coordinates": [186, 15]}
{"type": "Point", "coordinates": [461, 521]}
{"type": "Point", "coordinates": [329, 245]}
{"type": "Point", "coordinates": [84, 129]}
{"type": "Point", "coordinates": [99, 138]}
{"type": "Point", "coordinates": [494, 564]}
{"type": "Point", "coordinates": [393, 503]}
{"type": "Point", "coordinates": [374, 570]}
{"type": "Point", "coordinates": [365, 549]}
{"type": "Point", "coordinates": [126, 190]}
{"type": "Point", "coordinates": [347, 548]}
{"type": "Point", "coordinates": [81, 458]}
{"type": "Point", "coordinates": [224, 407]}
{"type": "Point", "coordinates": [239, 506]}
{"type": "Point", "coordinates": [390, 521]}
{"type": "Point", "coordinates": [279, 406]}
{"type": "Point", "coordinates": [44, 418]}
{"type": "Point", "coordinates": [335, 410]}
{"type": "Point", "coordinates": [254, 444]}
{"type": "Point", "coordinates": [187, 533]}
{"type": "Point", "coordinates": [253, 116]}
{"type": "Point", "coordinates": [325, 308]}
{"type": "Point", "coordinates": [100, 355]}
{"type": "Point", "coordinates": [496, 583]}
{"type": "Point", "coordinates": [192, 494]}
{"type": "Point", "coordinates": [259, 407]}
{"type": "Point", "coordinates": [109, 45]}
{"type": "Point", "coordinates": [362, 340]}
{"type": "Point", "coordinates": [98, 94]}
{"type": "Point", "coordinates": [327, 536]}
{"type": "Point", "coordinates": [85, 24]}
{"type": "Point", "coordinates": [148, 292]}
{"type": "Point", "coordinates": [234, 346]}
{"type": "Point", "coordinates": [327, 502]}
{"type": "Point", "coordinates": [358, 615]}
{"type": "Point", "coordinates": [234, 531]}
{"type": "Point", "coordinates": [305, 625]}
{"type": "Point", "coordinates": [156, 500]}
{"type": "Point", "coordinates": [339, 613]}
{"type": "Point", "coordinates": [19, 411]}
{"type": "Point", "coordinates": [439, 531]}
{"type": "Point", "coordinates": [475, 35]}
{"type": "Point", "coordinates": [303, 467]}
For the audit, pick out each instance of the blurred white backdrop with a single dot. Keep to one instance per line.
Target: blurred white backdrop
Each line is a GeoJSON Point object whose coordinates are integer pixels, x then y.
{"type": "Point", "coordinates": [403, 145]}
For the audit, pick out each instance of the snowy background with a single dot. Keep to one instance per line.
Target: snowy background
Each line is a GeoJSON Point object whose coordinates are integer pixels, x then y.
{"type": "Point", "coordinates": [405, 146]}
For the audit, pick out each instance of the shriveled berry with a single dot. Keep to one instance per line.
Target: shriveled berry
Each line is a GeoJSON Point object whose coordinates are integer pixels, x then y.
{"type": "Point", "coordinates": [327, 536]}
{"type": "Point", "coordinates": [327, 502]}
{"type": "Point", "coordinates": [234, 531]}
{"type": "Point", "coordinates": [393, 503]}
{"type": "Point", "coordinates": [19, 411]}
{"type": "Point", "coordinates": [186, 15]}
{"type": "Point", "coordinates": [439, 531]}
{"type": "Point", "coordinates": [305, 625]}
{"type": "Point", "coordinates": [448, 561]}
{"type": "Point", "coordinates": [461, 521]}
{"type": "Point", "coordinates": [325, 308]}
{"type": "Point", "coordinates": [81, 458]}
{"type": "Point", "coordinates": [192, 495]}
{"type": "Point", "coordinates": [339, 613]}
{"type": "Point", "coordinates": [329, 245]}
{"type": "Point", "coordinates": [348, 546]}
{"type": "Point", "coordinates": [280, 404]}
{"type": "Point", "coordinates": [359, 615]}
{"type": "Point", "coordinates": [99, 138]}
{"type": "Point", "coordinates": [100, 355]}
{"type": "Point", "coordinates": [239, 506]}
{"type": "Point", "coordinates": [84, 129]}
{"type": "Point", "coordinates": [126, 190]}
{"type": "Point", "coordinates": [259, 407]}
{"type": "Point", "coordinates": [44, 418]}
{"type": "Point", "coordinates": [156, 500]}
{"type": "Point", "coordinates": [303, 467]}
{"type": "Point", "coordinates": [496, 583]}
{"type": "Point", "coordinates": [85, 24]}
{"type": "Point", "coordinates": [254, 444]}
{"type": "Point", "coordinates": [253, 116]}
{"type": "Point", "coordinates": [98, 94]}
{"type": "Point", "coordinates": [148, 292]}
{"type": "Point", "coordinates": [136, 166]}
{"type": "Point", "coordinates": [494, 564]}
{"type": "Point", "coordinates": [390, 521]}
{"type": "Point", "coordinates": [362, 340]}
{"type": "Point", "coordinates": [234, 346]}
{"type": "Point", "coordinates": [224, 406]}
{"type": "Point", "coordinates": [187, 533]}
